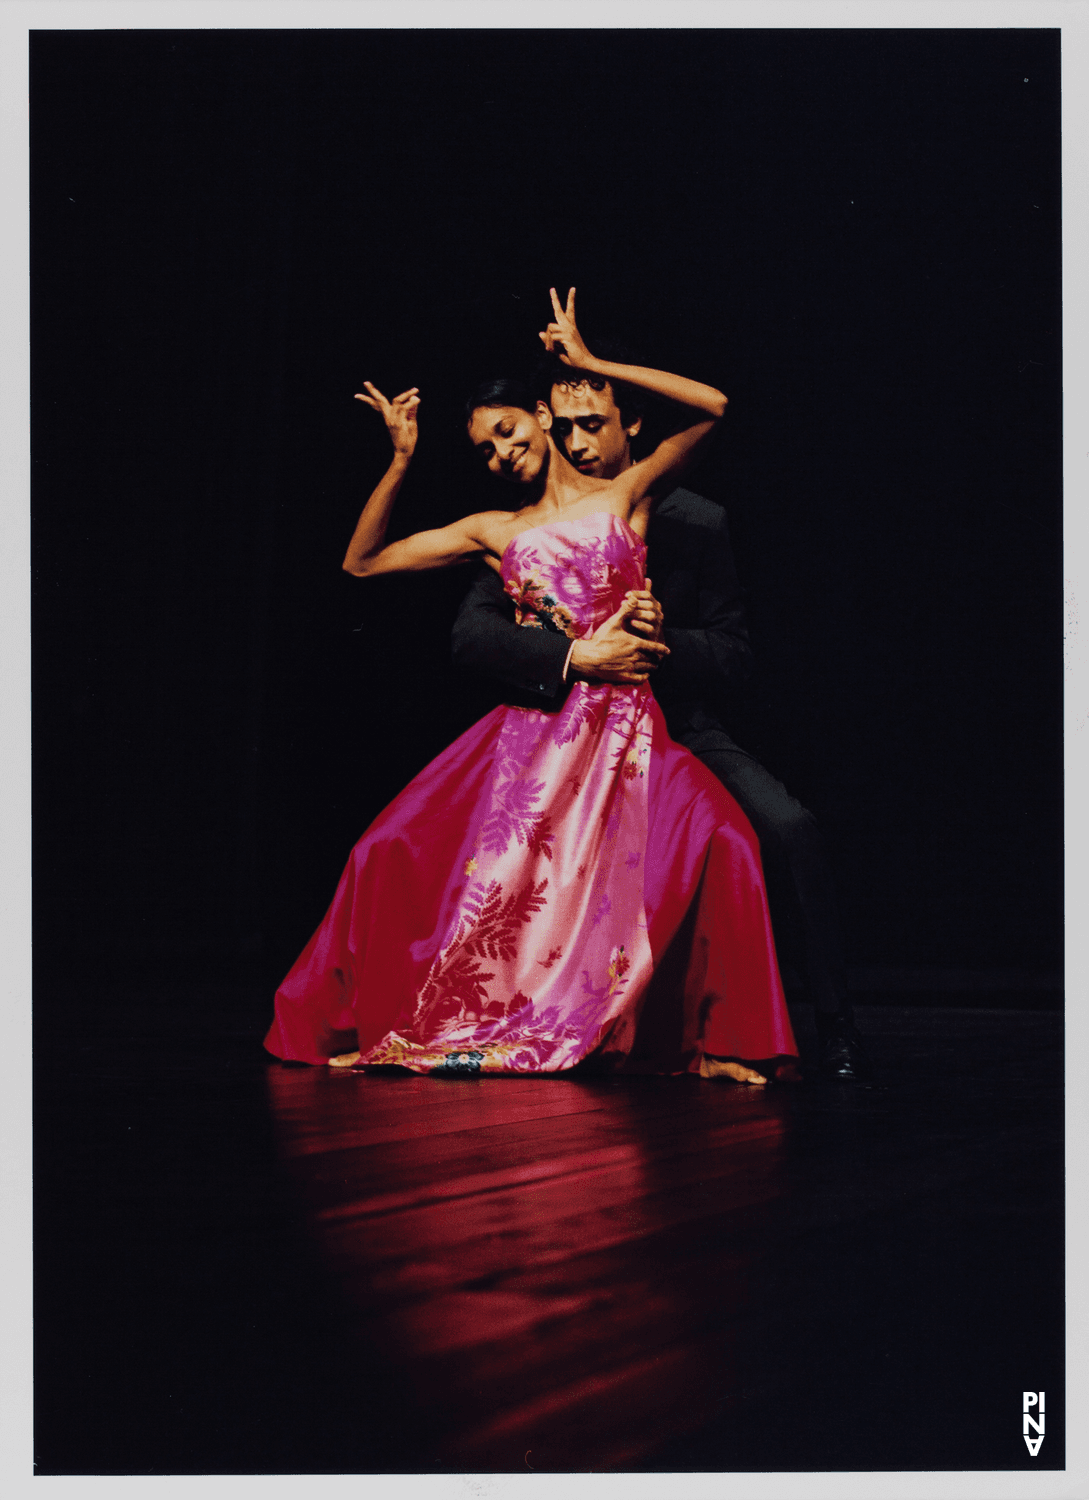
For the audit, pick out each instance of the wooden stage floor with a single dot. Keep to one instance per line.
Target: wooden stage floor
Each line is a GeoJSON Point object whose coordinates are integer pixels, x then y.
{"type": "Point", "coordinates": [246, 1267]}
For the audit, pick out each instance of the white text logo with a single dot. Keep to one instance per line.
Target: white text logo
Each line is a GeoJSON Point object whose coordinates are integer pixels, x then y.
{"type": "Point", "coordinates": [1034, 1398]}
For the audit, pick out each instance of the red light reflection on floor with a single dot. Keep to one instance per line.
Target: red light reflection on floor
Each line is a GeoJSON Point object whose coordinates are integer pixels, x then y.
{"type": "Point", "coordinates": [552, 1259]}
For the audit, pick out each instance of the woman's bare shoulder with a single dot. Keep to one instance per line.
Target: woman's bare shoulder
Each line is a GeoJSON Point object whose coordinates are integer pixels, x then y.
{"type": "Point", "coordinates": [486, 524]}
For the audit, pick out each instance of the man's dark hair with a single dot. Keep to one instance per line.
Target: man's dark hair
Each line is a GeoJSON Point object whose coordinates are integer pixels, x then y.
{"type": "Point", "coordinates": [630, 401]}
{"type": "Point", "coordinates": [502, 392]}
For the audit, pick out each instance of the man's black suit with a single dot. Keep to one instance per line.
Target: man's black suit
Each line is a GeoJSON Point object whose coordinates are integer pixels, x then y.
{"type": "Point", "coordinates": [691, 564]}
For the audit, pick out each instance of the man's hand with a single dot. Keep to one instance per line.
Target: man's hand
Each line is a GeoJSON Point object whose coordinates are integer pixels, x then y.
{"type": "Point", "coordinates": [613, 653]}
{"type": "Point", "coordinates": [562, 337]}
{"type": "Point", "coordinates": [399, 416]}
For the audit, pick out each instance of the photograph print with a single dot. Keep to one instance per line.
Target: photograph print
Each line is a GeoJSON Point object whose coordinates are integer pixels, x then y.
{"type": "Point", "coordinates": [547, 750]}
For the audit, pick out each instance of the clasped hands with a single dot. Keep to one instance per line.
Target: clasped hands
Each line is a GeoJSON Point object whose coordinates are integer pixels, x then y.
{"type": "Point", "coordinates": [628, 646]}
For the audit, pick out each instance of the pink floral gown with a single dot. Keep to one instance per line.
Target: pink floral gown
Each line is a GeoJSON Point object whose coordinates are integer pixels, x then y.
{"type": "Point", "coordinates": [555, 886]}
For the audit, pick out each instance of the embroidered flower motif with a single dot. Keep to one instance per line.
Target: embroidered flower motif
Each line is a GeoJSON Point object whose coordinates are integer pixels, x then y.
{"type": "Point", "coordinates": [539, 609]}
{"type": "Point", "coordinates": [619, 964]}
{"type": "Point", "coordinates": [460, 1064]}
{"type": "Point", "coordinates": [572, 582]}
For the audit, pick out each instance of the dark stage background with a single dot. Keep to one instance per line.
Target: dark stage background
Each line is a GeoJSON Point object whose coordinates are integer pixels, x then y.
{"type": "Point", "coordinates": [855, 234]}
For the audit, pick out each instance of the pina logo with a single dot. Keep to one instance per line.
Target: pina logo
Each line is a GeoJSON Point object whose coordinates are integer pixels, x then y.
{"type": "Point", "coordinates": [1031, 1398]}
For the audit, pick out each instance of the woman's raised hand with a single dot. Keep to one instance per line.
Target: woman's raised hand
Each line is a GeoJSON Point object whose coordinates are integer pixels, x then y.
{"type": "Point", "coordinates": [399, 415]}
{"type": "Point", "coordinates": [562, 337]}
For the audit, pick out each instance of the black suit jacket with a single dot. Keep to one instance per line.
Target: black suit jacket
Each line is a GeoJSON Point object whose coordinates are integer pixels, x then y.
{"type": "Point", "coordinates": [691, 564]}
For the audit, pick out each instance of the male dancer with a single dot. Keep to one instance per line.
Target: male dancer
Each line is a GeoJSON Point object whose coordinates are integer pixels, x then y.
{"type": "Point", "coordinates": [697, 645]}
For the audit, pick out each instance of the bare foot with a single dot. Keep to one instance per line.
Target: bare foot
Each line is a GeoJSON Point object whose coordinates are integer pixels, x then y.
{"type": "Point", "coordinates": [714, 1067]}
{"type": "Point", "coordinates": [345, 1060]}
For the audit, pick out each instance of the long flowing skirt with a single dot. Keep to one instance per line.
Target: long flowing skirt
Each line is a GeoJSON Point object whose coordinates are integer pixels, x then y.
{"type": "Point", "coordinates": [552, 888]}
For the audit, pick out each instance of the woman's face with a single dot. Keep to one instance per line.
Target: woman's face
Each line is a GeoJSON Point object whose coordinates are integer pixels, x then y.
{"type": "Point", "coordinates": [511, 441]}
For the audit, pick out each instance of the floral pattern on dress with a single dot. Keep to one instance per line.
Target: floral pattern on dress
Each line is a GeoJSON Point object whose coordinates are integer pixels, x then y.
{"type": "Point", "coordinates": [488, 929]}
{"type": "Point", "coordinates": [549, 933]}
{"type": "Point", "coordinates": [514, 814]}
{"type": "Point", "coordinates": [576, 586]}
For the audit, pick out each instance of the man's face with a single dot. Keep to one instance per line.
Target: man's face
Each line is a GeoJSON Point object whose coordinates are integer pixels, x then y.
{"type": "Point", "coordinates": [586, 424]}
{"type": "Point", "coordinates": [511, 441]}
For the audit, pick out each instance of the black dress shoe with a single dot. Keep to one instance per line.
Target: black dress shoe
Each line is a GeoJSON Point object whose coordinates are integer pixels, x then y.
{"type": "Point", "coordinates": [841, 1053]}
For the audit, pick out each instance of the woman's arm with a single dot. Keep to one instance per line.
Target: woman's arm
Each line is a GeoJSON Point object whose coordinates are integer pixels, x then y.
{"type": "Point", "coordinates": [705, 405]}
{"type": "Point", "coordinates": [661, 470]}
{"type": "Point", "coordinates": [366, 554]}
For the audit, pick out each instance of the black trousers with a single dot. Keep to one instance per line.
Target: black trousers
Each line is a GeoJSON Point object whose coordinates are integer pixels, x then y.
{"type": "Point", "coordinates": [801, 893]}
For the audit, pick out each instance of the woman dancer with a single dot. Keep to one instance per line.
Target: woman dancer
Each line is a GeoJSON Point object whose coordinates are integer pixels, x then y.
{"type": "Point", "coordinates": [551, 877]}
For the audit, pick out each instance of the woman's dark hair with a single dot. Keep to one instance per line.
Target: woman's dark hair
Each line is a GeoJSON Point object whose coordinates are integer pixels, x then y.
{"type": "Point", "coordinates": [501, 393]}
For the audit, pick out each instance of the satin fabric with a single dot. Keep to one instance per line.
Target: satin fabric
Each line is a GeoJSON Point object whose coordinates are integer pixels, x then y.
{"type": "Point", "coordinates": [548, 881]}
